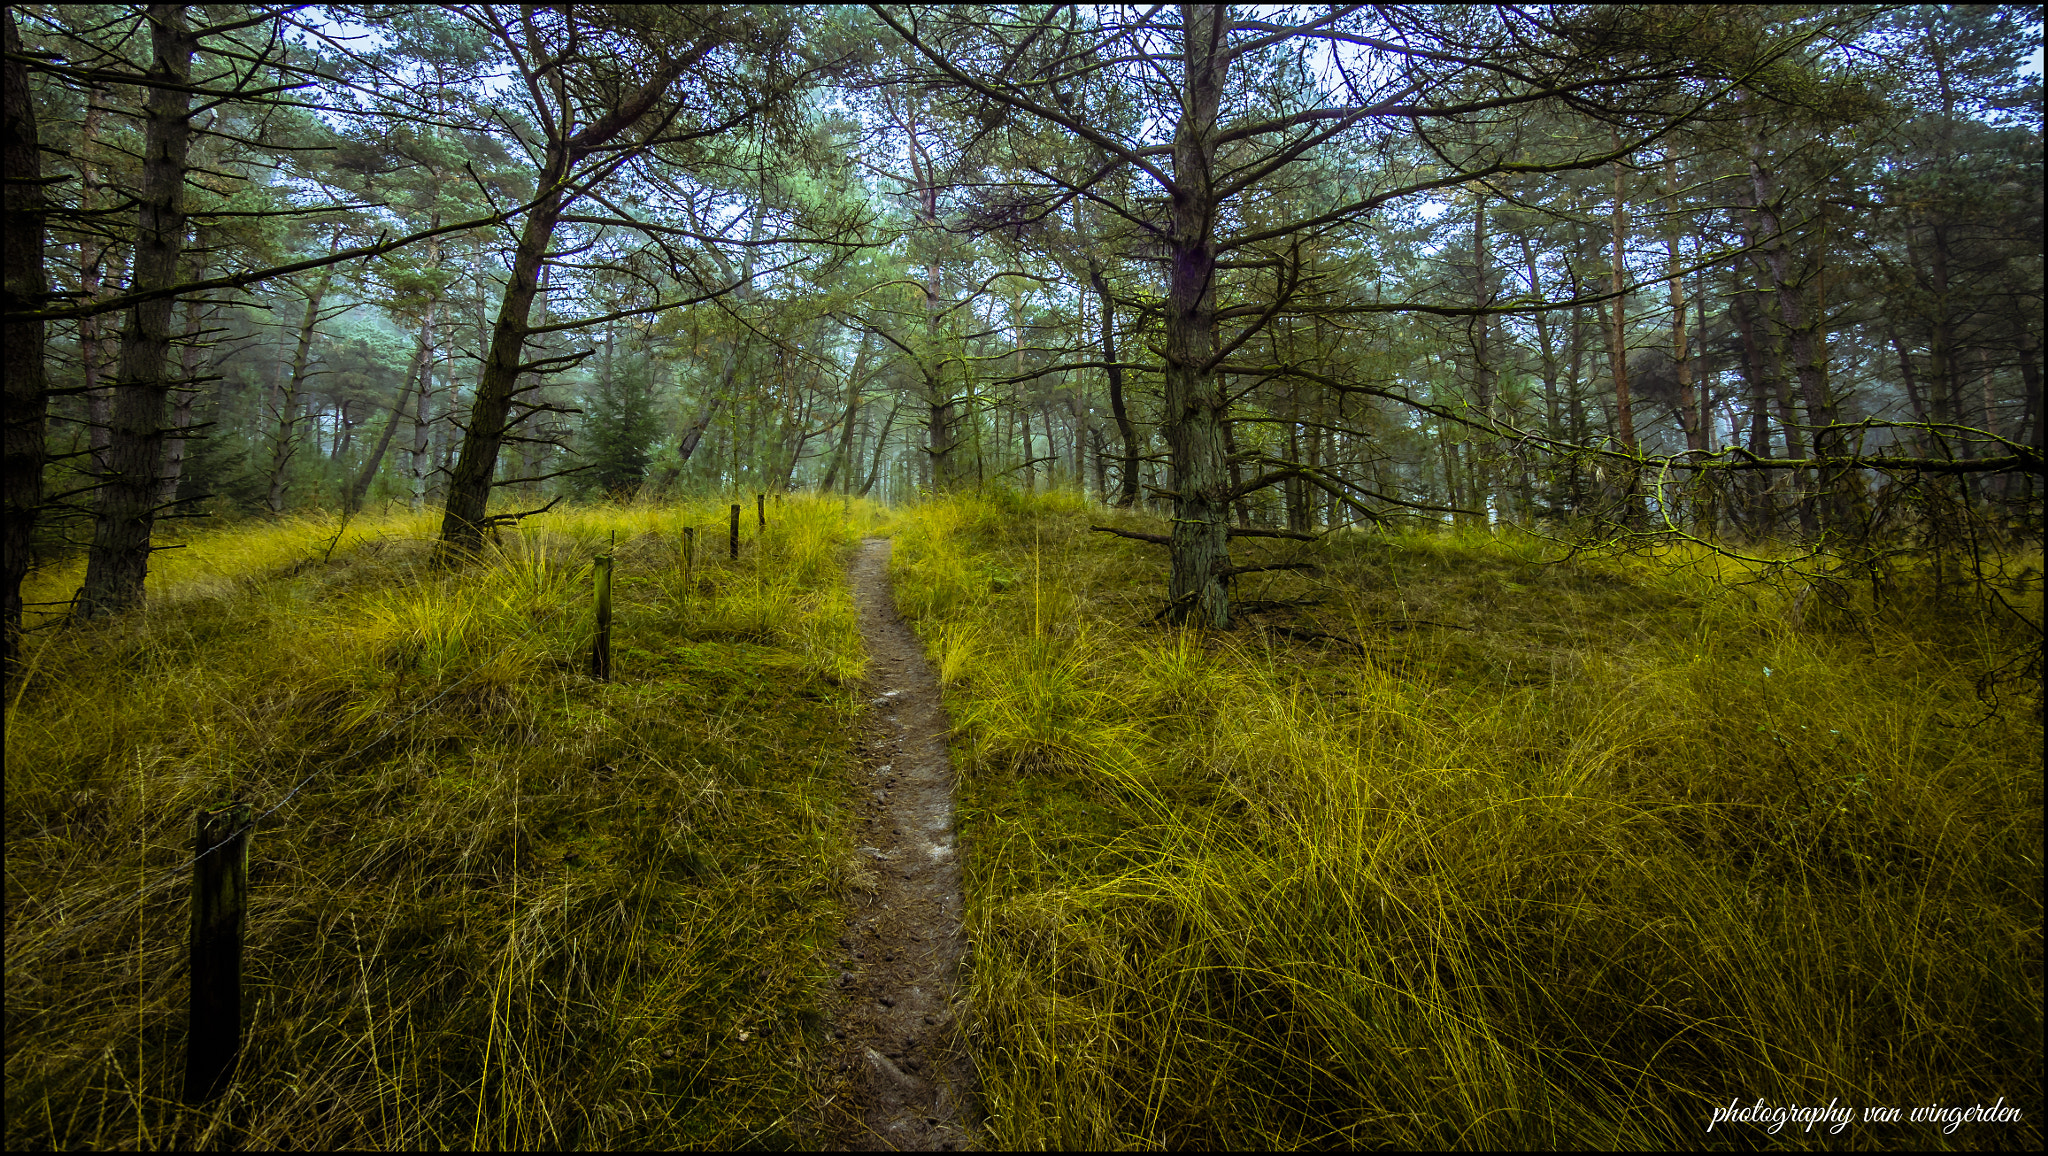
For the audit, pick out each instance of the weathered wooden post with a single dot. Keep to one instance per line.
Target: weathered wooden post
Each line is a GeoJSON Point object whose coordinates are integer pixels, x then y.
{"type": "Point", "coordinates": [220, 893]}
{"type": "Point", "coordinates": [601, 649]}
{"type": "Point", "coordinates": [761, 509]}
{"type": "Point", "coordinates": [733, 535]}
{"type": "Point", "coordinates": [689, 553]}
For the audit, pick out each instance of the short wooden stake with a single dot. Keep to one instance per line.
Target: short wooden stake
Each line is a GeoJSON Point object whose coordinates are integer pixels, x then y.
{"type": "Point", "coordinates": [601, 649]}
{"type": "Point", "coordinates": [220, 892]}
{"type": "Point", "coordinates": [733, 536]}
{"type": "Point", "coordinates": [761, 509]}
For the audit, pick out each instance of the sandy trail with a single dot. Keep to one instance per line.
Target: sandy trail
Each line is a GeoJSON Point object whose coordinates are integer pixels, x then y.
{"type": "Point", "coordinates": [911, 1080]}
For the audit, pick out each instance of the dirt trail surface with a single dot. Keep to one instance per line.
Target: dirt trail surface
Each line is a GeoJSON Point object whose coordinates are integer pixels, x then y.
{"type": "Point", "coordinates": [911, 1079]}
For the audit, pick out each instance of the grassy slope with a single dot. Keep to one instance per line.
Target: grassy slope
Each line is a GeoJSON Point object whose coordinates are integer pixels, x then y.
{"type": "Point", "coordinates": [1569, 869]}
{"type": "Point", "coordinates": [543, 912]}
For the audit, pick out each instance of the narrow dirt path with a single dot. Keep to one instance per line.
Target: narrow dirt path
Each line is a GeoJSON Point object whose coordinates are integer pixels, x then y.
{"type": "Point", "coordinates": [911, 1080]}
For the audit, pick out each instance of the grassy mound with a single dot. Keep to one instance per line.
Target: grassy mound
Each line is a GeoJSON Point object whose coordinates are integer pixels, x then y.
{"type": "Point", "coordinates": [1477, 851]}
{"type": "Point", "coordinates": [508, 906]}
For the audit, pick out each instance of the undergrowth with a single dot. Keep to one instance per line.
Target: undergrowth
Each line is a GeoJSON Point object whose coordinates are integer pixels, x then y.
{"type": "Point", "coordinates": [1460, 846]}
{"type": "Point", "coordinates": [509, 906]}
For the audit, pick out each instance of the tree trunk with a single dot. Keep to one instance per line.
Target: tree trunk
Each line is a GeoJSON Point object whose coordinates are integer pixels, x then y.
{"type": "Point", "coordinates": [1030, 451]}
{"type": "Point", "coordinates": [469, 483]}
{"type": "Point", "coordinates": [1709, 377]}
{"type": "Point", "coordinates": [118, 561]}
{"type": "Point", "coordinates": [344, 434]}
{"type": "Point", "coordinates": [416, 372]}
{"type": "Point", "coordinates": [1294, 491]}
{"type": "Point", "coordinates": [1194, 401]}
{"type": "Point", "coordinates": [729, 367]}
{"type": "Point", "coordinates": [1575, 403]}
{"type": "Point", "coordinates": [2030, 381]}
{"type": "Point", "coordinates": [841, 458]}
{"type": "Point", "coordinates": [1484, 376]}
{"type": "Point", "coordinates": [23, 286]}
{"type": "Point", "coordinates": [1681, 350]}
{"type": "Point", "coordinates": [531, 452]}
{"type": "Point", "coordinates": [182, 405]}
{"type": "Point", "coordinates": [284, 439]}
{"type": "Point", "coordinates": [98, 261]}
{"type": "Point", "coordinates": [1077, 422]}
{"type": "Point", "coordinates": [875, 469]}
{"type": "Point", "coordinates": [419, 462]}
{"type": "Point", "coordinates": [1912, 384]}
{"type": "Point", "coordinates": [1788, 426]}
{"type": "Point", "coordinates": [1617, 352]}
{"type": "Point", "coordinates": [1052, 446]}
{"type": "Point", "coordinates": [1127, 465]}
{"type": "Point", "coordinates": [1101, 461]}
{"type": "Point", "coordinates": [1547, 352]}
{"type": "Point", "coordinates": [1801, 327]}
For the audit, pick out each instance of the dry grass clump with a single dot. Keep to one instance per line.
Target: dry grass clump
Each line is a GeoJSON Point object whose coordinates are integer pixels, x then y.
{"type": "Point", "coordinates": [509, 906]}
{"type": "Point", "coordinates": [1478, 850]}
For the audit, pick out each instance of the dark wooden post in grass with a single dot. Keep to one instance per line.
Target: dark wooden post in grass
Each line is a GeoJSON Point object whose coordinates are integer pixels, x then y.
{"type": "Point", "coordinates": [733, 536]}
{"type": "Point", "coordinates": [689, 553]}
{"type": "Point", "coordinates": [761, 509]}
{"type": "Point", "coordinates": [601, 649]}
{"type": "Point", "coordinates": [220, 892]}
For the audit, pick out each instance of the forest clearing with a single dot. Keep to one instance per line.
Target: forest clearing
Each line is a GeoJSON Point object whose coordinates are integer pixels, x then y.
{"type": "Point", "coordinates": [919, 577]}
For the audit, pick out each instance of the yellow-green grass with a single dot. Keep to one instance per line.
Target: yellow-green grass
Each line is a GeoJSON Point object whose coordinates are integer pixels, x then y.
{"type": "Point", "coordinates": [1614, 842]}
{"type": "Point", "coordinates": [511, 906]}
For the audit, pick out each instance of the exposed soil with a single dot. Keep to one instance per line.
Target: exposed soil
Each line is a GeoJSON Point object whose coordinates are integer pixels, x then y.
{"type": "Point", "coordinates": [910, 1079]}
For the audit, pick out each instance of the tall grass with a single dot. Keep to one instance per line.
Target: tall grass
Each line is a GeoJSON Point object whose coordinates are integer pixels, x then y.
{"type": "Point", "coordinates": [509, 906]}
{"type": "Point", "coordinates": [1557, 855]}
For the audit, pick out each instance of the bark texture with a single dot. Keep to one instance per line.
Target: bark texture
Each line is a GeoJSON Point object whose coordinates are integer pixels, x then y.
{"type": "Point", "coordinates": [119, 558]}
{"type": "Point", "coordinates": [1195, 402]}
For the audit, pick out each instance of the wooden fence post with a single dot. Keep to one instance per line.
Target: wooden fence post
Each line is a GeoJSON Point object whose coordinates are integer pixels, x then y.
{"type": "Point", "coordinates": [601, 649]}
{"type": "Point", "coordinates": [733, 535]}
{"type": "Point", "coordinates": [220, 892]}
{"type": "Point", "coordinates": [761, 509]}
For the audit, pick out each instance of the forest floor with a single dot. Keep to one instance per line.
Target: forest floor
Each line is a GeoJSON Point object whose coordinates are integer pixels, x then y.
{"type": "Point", "coordinates": [1454, 842]}
{"type": "Point", "coordinates": [912, 1080]}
